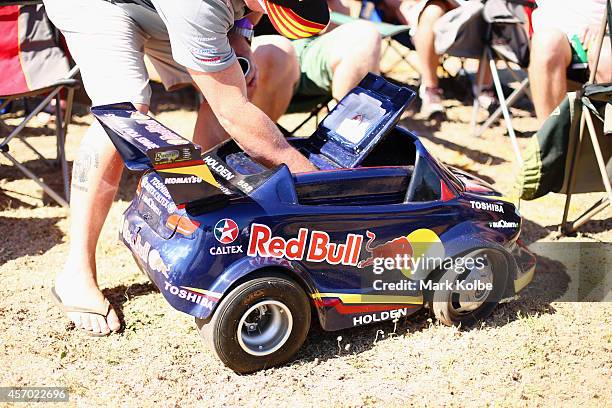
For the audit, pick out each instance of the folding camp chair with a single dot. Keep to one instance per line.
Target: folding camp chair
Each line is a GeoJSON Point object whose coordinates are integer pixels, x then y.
{"type": "Point", "coordinates": [395, 35]}
{"type": "Point", "coordinates": [493, 53]}
{"type": "Point", "coordinates": [33, 65]}
{"type": "Point", "coordinates": [594, 107]}
{"type": "Point", "coordinates": [501, 52]}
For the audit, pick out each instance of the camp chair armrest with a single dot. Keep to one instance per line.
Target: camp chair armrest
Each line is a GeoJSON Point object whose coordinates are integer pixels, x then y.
{"type": "Point", "coordinates": [66, 83]}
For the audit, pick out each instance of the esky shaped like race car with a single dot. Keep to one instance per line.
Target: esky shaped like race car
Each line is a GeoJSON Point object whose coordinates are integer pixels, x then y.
{"type": "Point", "coordinates": [255, 253]}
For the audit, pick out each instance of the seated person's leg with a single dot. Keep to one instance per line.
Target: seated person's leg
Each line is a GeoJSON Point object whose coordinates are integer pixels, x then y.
{"type": "Point", "coordinates": [354, 50]}
{"type": "Point", "coordinates": [424, 37]}
{"type": "Point", "coordinates": [336, 62]}
{"type": "Point", "coordinates": [604, 68]}
{"type": "Point", "coordinates": [487, 98]}
{"type": "Point", "coordinates": [550, 56]}
{"type": "Point", "coordinates": [279, 73]}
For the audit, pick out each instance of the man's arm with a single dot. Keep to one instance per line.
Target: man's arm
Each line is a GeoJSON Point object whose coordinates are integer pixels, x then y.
{"type": "Point", "coordinates": [257, 135]}
{"type": "Point", "coordinates": [339, 6]}
{"type": "Point", "coordinates": [254, 17]}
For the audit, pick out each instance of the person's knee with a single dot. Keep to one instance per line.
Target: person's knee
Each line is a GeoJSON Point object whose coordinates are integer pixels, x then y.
{"type": "Point", "coordinates": [550, 50]}
{"type": "Point", "coordinates": [276, 59]}
{"type": "Point", "coordinates": [604, 73]}
{"type": "Point", "coordinates": [370, 40]}
{"type": "Point", "coordinates": [97, 157]}
{"type": "Point", "coordinates": [361, 46]}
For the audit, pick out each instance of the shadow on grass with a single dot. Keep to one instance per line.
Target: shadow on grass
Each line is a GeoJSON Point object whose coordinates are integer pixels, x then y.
{"type": "Point", "coordinates": [532, 232]}
{"type": "Point", "coordinates": [52, 176]}
{"type": "Point", "coordinates": [8, 202]}
{"type": "Point", "coordinates": [119, 295]}
{"type": "Point", "coordinates": [550, 282]}
{"type": "Point", "coordinates": [593, 226]}
{"type": "Point", "coordinates": [27, 236]}
{"type": "Point", "coordinates": [49, 172]}
{"type": "Point", "coordinates": [476, 155]}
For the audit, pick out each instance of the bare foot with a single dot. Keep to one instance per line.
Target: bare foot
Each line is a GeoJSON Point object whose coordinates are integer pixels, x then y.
{"type": "Point", "coordinates": [79, 289]}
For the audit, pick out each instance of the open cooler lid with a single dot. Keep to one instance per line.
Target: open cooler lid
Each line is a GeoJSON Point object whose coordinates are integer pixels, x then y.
{"type": "Point", "coordinates": [361, 119]}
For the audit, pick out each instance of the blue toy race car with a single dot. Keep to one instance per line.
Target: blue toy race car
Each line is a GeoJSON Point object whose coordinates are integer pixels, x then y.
{"type": "Point", "coordinates": [255, 253]}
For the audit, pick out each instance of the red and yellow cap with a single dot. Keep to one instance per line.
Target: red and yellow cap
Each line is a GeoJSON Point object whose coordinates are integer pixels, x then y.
{"type": "Point", "coordinates": [297, 18]}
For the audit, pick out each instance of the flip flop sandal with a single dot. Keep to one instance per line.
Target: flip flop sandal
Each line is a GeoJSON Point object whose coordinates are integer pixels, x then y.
{"type": "Point", "coordinates": [74, 309]}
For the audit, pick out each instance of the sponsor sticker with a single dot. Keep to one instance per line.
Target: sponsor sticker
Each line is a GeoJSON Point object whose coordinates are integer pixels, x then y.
{"type": "Point", "coordinates": [183, 180]}
{"type": "Point", "coordinates": [142, 249]}
{"type": "Point", "coordinates": [313, 246]}
{"type": "Point", "coordinates": [226, 231]}
{"type": "Point", "coordinates": [411, 254]}
{"type": "Point", "coordinates": [380, 317]}
{"type": "Point", "coordinates": [166, 134]}
{"type": "Point", "coordinates": [219, 168]}
{"type": "Point", "coordinates": [138, 115]}
{"type": "Point", "coordinates": [156, 263]}
{"type": "Point", "coordinates": [479, 205]}
{"type": "Point", "coordinates": [197, 296]}
{"type": "Point", "coordinates": [167, 157]}
{"type": "Point", "coordinates": [151, 204]}
{"type": "Point", "coordinates": [503, 224]}
{"type": "Point", "coordinates": [158, 191]}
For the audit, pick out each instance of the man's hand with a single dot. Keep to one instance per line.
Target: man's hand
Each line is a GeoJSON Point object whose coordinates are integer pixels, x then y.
{"type": "Point", "coordinates": [242, 48]}
{"type": "Point", "coordinates": [257, 135]}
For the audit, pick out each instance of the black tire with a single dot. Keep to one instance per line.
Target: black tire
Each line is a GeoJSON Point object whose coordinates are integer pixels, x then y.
{"type": "Point", "coordinates": [445, 304]}
{"type": "Point", "coordinates": [285, 309]}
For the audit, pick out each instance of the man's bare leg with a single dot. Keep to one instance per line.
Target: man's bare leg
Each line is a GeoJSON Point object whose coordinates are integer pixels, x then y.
{"type": "Point", "coordinates": [279, 72]}
{"type": "Point", "coordinates": [550, 56]}
{"type": "Point", "coordinates": [95, 179]}
{"type": "Point", "coordinates": [429, 91]}
{"type": "Point", "coordinates": [424, 42]}
{"type": "Point", "coordinates": [604, 68]}
{"type": "Point", "coordinates": [356, 52]}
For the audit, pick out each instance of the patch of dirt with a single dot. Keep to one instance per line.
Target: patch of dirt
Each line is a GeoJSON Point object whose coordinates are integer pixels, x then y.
{"type": "Point", "coordinates": [534, 351]}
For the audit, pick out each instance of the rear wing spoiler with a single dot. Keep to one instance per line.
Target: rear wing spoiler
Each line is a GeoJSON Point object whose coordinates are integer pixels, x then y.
{"type": "Point", "coordinates": [146, 144]}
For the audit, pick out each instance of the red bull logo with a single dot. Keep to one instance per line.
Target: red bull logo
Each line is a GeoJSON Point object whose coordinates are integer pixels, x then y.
{"type": "Point", "coordinates": [391, 249]}
{"type": "Point", "coordinates": [411, 254]}
{"type": "Point", "coordinates": [317, 246]}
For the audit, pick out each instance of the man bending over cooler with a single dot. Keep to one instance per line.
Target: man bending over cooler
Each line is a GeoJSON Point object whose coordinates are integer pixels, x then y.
{"type": "Point", "coordinates": [191, 41]}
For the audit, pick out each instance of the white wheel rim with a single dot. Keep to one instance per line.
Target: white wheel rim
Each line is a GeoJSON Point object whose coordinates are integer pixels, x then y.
{"type": "Point", "coordinates": [264, 328]}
